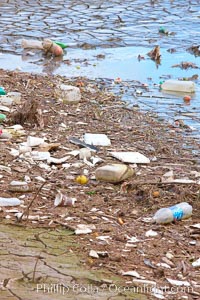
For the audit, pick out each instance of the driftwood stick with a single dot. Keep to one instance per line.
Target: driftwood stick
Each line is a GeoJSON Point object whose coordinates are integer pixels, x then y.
{"type": "Point", "coordinates": [26, 211]}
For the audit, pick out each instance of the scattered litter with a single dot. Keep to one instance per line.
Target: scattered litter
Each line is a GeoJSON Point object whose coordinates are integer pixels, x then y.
{"type": "Point", "coordinates": [196, 263]}
{"type": "Point", "coordinates": [96, 139]}
{"type": "Point", "coordinates": [36, 155]}
{"type": "Point", "coordinates": [19, 186]}
{"type": "Point", "coordinates": [133, 274]}
{"type": "Point", "coordinates": [155, 54]}
{"type": "Point", "coordinates": [178, 86]}
{"type": "Point", "coordinates": [84, 153]}
{"type": "Point", "coordinates": [178, 282]}
{"type": "Point", "coordinates": [57, 161]}
{"type": "Point", "coordinates": [113, 173]}
{"type": "Point", "coordinates": [68, 94]}
{"type": "Point", "coordinates": [157, 293]}
{"type": "Point", "coordinates": [195, 225]}
{"type": "Point", "coordinates": [151, 233]}
{"type": "Point", "coordinates": [82, 179]}
{"type": "Point", "coordinates": [33, 141]}
{"type": "Point", "coordinates": [143, 282]}
{"type": "Point", "coordinates": [131, 157]}
{"type": "Point", "coordinates": [84, 229]}
{"type": "Point", "coordinates": [93, 254]}
{"type": "Point", "coordinates": [63, 200]}
{"type": "Point", "coordinates": [80, 143]}
{"type": "Point", "coordinates": [178, 212]}
{"type": "Point", "coordinates": [9, 201]}
{"type": "Point", "coordinates": [148, 263]}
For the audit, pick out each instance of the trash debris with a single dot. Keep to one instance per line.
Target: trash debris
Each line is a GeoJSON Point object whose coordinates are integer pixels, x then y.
{"type": "Point", "coordinates": [19, 186]}
{"type": "Point", "coordinates": [57, 161]}
{"type": "Point", "coordinates": [156, 194]}
{"type": "Point", "coordinates": [36, 155]}
{"type": "Point", "coordinates": [9, 201]}
{"type": "Point", "coordinates": [49, 147]}
{"type": "Point", "coordinates": [117, 80]}
{"type": "Point", "coordinates": [167, 215]}
{"type": "Point", "coordinates": [84, 229]}
{"type": "Point", "coordinates": [157, 293]}
{"type": "Point", "coordinates": [82, 179]}
{"type": "Point", "coordinates": [80, 143]}
{"type": "Point", "coordinates": [196, 226]}
{"type": "Point", "coordinates": [50, 47]}
{"type": "Point", "coordinates": [63, 200]}
{"type": "Point", "coordinates": [2, 118]}
{"type": "Point", "coordinates": [84, 153]}
{"type": "Point", "coordinates": [131, 157]}
{"type": "Point", "coordinates": [31, 44]}
{"type": "Point", "coordinates": [96, 139]}
{"type": "Point", "coordinates": [68, 94]}
{"type": "Point", "coordinates": [196, 263]}
{"type": "Point", "coordinates": [148, 263]}
{"type": "Point", "coordinates": [133, 274]}
{"type": "Point", "coordinates": [155, 54]}
{"type": "Point", "coordinates": [194, 50]}
{"type": "Point", "coordinates": [5, 136]}
{"type": "Point", "coordinates": [144, 282]}
{"type": "Point", "coordinates": [186, 65]}
{"type": "Point", "coordinates": [2, 91]}
{"type": "Point", "coordinates": [163, 30]}
{"type": "Point", "coordinates": [178, 86]}
{"type": "Point", "coordinates": [93, 254]}
{"type": "Point", "coordinates": [10, 98]}
{"type": "Point", "coordinates": [186, 98]}
{"type": "Point", "coordinates": [113, 173]}
{"type": "Point", "coordinates": [4, 108]}
{"type": "Point", "coordinates": [33, 141]}
{"type": "Point", "coordinates": [151, 233]}
{"type": "Point", "coordinates": [178, 282]}
{"type": "Point", "coordinates": [62, 45]}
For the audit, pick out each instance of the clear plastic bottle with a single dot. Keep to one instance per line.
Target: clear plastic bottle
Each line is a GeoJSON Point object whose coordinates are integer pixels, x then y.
{"type": "Point", "coordinates": [31, 44]}
{"type": "Point", "coordinates": [167, 215]}
{"type": "Point", "coordinates": [178, 86]}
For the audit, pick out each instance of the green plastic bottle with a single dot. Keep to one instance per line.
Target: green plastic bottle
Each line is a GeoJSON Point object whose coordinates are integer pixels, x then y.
{"type": "Point", "coordinates": [2, 91]}
{"type": "Point", "coordinates": [2, 117]}
{"type": "Point", "coordinates": [62, 45]}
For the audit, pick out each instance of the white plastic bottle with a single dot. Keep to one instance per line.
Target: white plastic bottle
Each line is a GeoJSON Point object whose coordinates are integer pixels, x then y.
{"type": "Point", "coordinates": [167, 215]}
{"type": "Point", "coordinates": [31, 44]}
{"type": "Point", "coordinates": [178, 86]}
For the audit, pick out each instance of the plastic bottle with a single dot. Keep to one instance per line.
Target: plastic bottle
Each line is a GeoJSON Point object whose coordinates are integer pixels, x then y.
{"type": "Point", "coordinates": [62, 45]}
{"type": "Point", "coordinates": [178, 86]}
{"type": "Point", "coordinates": [31, 44]}
{"type": "Point", "coordinates": [178, 212]}
{"type": "Point", "coordinates": [2, 91]}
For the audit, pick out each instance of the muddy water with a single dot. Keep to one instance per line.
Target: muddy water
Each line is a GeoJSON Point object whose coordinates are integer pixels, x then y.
{"type": "Point", "coordinates": [42, 264]}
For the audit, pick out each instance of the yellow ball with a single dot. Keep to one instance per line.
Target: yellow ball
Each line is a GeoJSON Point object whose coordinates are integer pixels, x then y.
{"type": "Point", "coordinates": [82, 179]}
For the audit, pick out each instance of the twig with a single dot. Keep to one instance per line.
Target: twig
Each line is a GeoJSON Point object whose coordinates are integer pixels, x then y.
{"type": "Point", "coordinates": [65, 225]}
{"type": "Point", "coordinates": [35, 266]}
{"type": "Point", "coordinates": [26, 212]}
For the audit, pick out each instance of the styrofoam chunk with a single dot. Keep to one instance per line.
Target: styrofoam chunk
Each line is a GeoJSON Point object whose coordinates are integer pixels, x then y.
{"type": "Point", "coordinates": [131, 157]}
{"type": "Point", "coordinates": [97, 139]}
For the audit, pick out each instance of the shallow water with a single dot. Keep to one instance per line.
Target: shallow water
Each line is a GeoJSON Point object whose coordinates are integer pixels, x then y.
{"type": "Point", "coordinates": [105, 39]}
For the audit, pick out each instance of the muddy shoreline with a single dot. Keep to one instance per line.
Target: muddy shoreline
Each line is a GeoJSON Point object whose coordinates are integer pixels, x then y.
{"type": "Point", "coordinates": [117, 212]}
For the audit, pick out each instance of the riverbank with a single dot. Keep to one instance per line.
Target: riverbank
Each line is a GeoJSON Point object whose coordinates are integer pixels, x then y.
{"type": "Point", "coordinates": [118, 214]}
